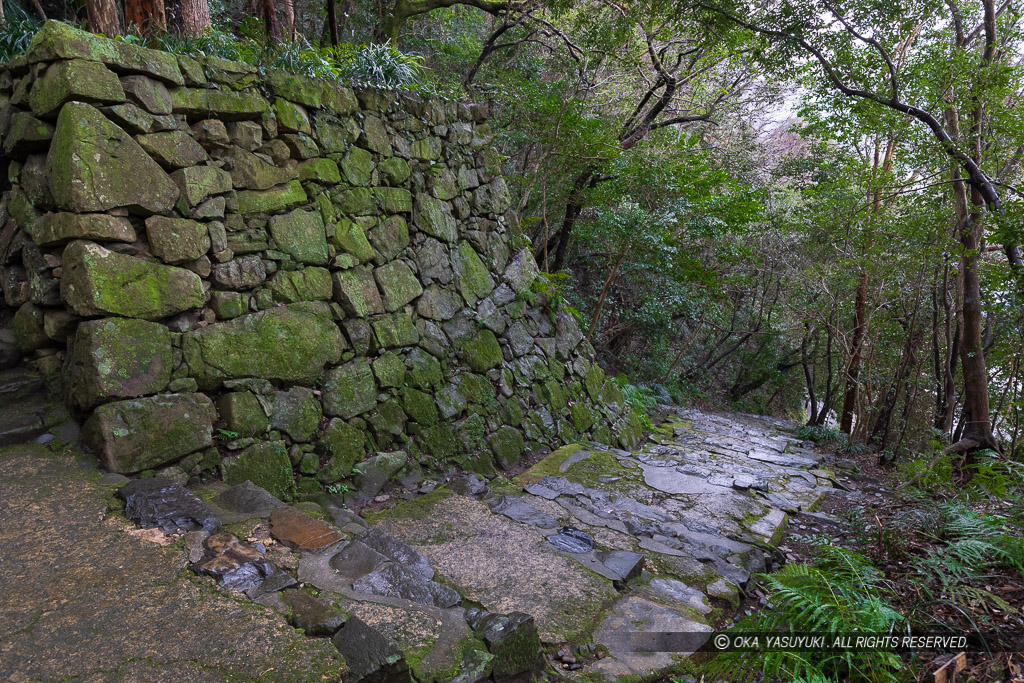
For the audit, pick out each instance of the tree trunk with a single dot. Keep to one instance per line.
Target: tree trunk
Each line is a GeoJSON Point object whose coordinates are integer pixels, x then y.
{"type": "Point", "coordinates": [604, 292]}
{"type": "Point", "coordinates": [188, 18]}
{"type": "Point", "coordinates": [145, 16]}
{"type": "Point", "coordinates": [331, 29]}
{"type": "Point", "coordinates": [268, 13]}
{"type": "Point", "coordinates": [853, 367]}
{"type": "Point", "coordinates": [103, 17]}
{"type": "Point", "coordinates": [288, 9]}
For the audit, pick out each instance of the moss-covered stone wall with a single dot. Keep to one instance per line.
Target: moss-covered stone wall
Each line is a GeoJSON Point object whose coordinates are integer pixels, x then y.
{"type": "Point", "coordinates": [276, 276]}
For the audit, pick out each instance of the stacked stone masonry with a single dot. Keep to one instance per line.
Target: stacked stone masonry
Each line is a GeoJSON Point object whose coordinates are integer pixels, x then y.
{"type": "Point", "coordinates": [274, 278]}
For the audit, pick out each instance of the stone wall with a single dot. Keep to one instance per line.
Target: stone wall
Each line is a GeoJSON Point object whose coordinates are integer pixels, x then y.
{"type": "Point", "coordinates": [275, 277]}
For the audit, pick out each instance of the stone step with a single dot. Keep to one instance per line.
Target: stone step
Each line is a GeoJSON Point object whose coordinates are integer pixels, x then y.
{"type": "Point", "coordinates": [18, 383]}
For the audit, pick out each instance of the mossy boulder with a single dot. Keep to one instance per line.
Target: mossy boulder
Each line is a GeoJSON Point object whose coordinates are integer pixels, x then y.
{"type": "Point", "coordinates": [387, 422]}
{"type": "Point", "coordinates": [58, 228]}
{"type": "Point", "coordinates": [60, 40]}
{"type": "Point", "coordinates": [308, 284]}
{"type": "Point", "coordinates": [389, 370]}
{"type": "Point", "coordinates": [250, 172]}
{"type": "Point", "coordinates": [243, 413]}
{"type": "Point", "coordinates": [297, 413]}
{"type": "Point", "coordinates": [346, 445]}
{"type": "Point", "coordinates": [582, 416]}
{"type": "Point", "coordinates": [390, 237]}
{"type": "Point", "coordinates": [150, 94]}
{"type": "Point", "coordinates": [74, 80]}
{"type": "Point", "coordinates": [424, 370]}
{"type": "Point", "coordinates": [420, 406]}
{"type": "Point", "coordinates": [116, 358]}
{"type": "Point", "coordinates": [144, 433]}
{"type": "Point", "coordinates": [97, 281]}
{"type": "Point", "coordinates": [398, 285]}
{"type": "Point", "coordinates": [394, 330]}
{"type": "Point", "coordinates": [27, 327]}
{"type": "Point", "coordinates": [265, 464]}
{"type": "Point", "coordinates": [25, 133]}
{"type": "Point", "coordinates": [175, 240]}
{"type": "Point", "coordinates": [301, 234]}
{"type": "Point", "coordinates": [290, 343]}
{"type": "Point", "coordinates": [199, 182]}
{"type": "Point", "coordinates": [323, 171]}
{"type": "Point", "coordinates": [173, 149]}
{"type": "Point", "coordinates": [482, 352]}
{"type": "Point", "coordinates": [439, 441]}
{"type": "Point", "coordinates": [432, 217]}
{"type": "Point", "coordinates": [393, 199]}
{"type": "Point", "coordinates": [357, 166]}
{"type": "Point", "coordinates": [507, 444]}
{"type": "Point", "coordinates": [350, 238]}
{"type": "Point", "coordinates": [227, 105]}
{"type": "Point", "coordinates": [277, 198]}
{"type": "Point", "coordinates": [305, 91]}
{"type": "Point", "coordinates": [349, 389]}
{"type": "Point", "coordinates": [94, 165]}
{"type": "Point", "coordinates": [394, 171]}
{"type": "Point", "coordinates": [475, 282]}
{"type": "Point", "coordinates": [291, 117]}
{"type": "Point", "coordinates": [356, 290]}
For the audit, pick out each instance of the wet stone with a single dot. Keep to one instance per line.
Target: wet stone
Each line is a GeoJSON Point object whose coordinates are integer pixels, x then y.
{"type": "Point", "coordinates": [396, 551]}
{"type": "Point", "coordinates": [299, 531]}
{"type": "Point", "coordinates": [524, 513]}
{"type": "Point", "coordinates": [572, 540]}
{"type": "Point", "coordinates": [356, 560]}
{"type": "Point", "coordinates": [161, 503]}
{"type": "Point", "coordinates": [311, 614]}
{"type": "Point", "coordinates": [237, 565]}
{"type": "Point", "coordinates": [370, 655]}
{"type": "Point", "coordinates": [395, 580]}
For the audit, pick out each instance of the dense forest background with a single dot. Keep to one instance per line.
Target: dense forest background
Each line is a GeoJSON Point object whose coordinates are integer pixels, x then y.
{"type": "Point", "coordinates": [807, 209]}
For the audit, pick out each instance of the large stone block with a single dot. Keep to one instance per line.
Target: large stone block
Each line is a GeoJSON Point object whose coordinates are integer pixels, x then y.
{"type": "Point", "coordinates": [276, 198]}
{"type": "Point", "coordinates": [199, 182]}
{"type": "Point", "coordinates": [250, 172]}
{"type": "Point", "coordinates": [59, 228]}
{"type": "Point", "coordinates": [97, 281]}
{"type": "Point", "coordinates": [174, 240]}
{"type": "Point", "coordinates": [308, 284]}
{"type": "Point", "coordinates": [143, 433]}
{"type": "Point", "coordinates": [243, 413]}
{"type": "Point", "coordinates": [432, 217]}
{"type": "Point", "coordinates": [474, 280]}
{"type": "Point", "coordinates": [356, 291]}
{"type": "Point", "coordinates": [173, 149]}
{"type": "Point", "coordinates": [74, 80]}
{"type": "Point", "coordinates": [349, 389]}
{"type": "Point", "coordinates": [289, 344]}
{"type": "Point", "coordinates": [301, 234]}
{"type": "Point", "coordinates": [59, 40]}
{"type": "Point", "coordinates": [116, 358]}
{"type": "Point", "coordinates": [226, 105]}
{"type": "Point", "coordinates": [265, 464]}
{"type": "Point", "coordinates": [398, 285]}
{"type": "Point", "coordinates": [297, 413]}
{"type": "Point", "coordinates": [95, 165]}
{"type": "Point", "coordinates": [149, 94]}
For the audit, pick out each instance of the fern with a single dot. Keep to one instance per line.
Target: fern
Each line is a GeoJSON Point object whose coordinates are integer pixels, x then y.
{"type": "Point", "coordinates": [840, 592]}
{"type": "Point", "coordinates": [818, 434]}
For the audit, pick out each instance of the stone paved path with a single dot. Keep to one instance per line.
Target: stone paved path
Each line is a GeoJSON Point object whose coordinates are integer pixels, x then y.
{"type": "Point", "coordinates": [81, 600]}
{"type": "Point", "coordinates": [464, 581]}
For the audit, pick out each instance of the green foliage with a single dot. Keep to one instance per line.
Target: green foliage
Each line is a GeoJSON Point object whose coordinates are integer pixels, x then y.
{"type": "Point", "coordinates": [640, 398]}
{"type": "Point", "coordinates": [826, 435]}
{"type": "Point", "coordinates": [15, 36]}
{"type": "Point", "coordinates": [840, 592]}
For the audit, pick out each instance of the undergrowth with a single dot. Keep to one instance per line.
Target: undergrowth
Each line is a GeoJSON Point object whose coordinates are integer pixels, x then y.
{"type": "Point", "coordinates": [840, 592]}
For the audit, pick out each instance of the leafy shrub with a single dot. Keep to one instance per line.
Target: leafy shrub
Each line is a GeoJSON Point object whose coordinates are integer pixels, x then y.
{"type": "Point", "coordinates": [639, 397]}
{"type": "Point", "coordinates": [826, 435]}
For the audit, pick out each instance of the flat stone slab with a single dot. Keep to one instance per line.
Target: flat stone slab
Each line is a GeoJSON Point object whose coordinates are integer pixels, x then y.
{"type": "Point", "coordinates": [401, 582]}
{"type": "Point", "coordinates": [520, 511]}
{"type": "Point", "coordinates": [301, 532]}
{"type": "Point", "coordinates": [501, 564]}
{"type": "Point", "coordinates": [248, 499]}
{"type": "Point", "coordinates": [623, 631]}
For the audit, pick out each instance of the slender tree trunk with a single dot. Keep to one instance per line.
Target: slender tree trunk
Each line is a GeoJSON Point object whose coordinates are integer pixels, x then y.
{"type": "Point", "coordinates": [103, 17]}
{"type": "Point", "coordinates": [145, 16]}
{"type": "Point", "coordinates": [288, 9]}
{"type": "Point", "coordinates": [331, 30]}
{"type": "Point", "coordinates": [604, 292]}
{"type": "Point", "coordinates": [853, 367]}
{"type": "Point", "coordinates": [268, 13]}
